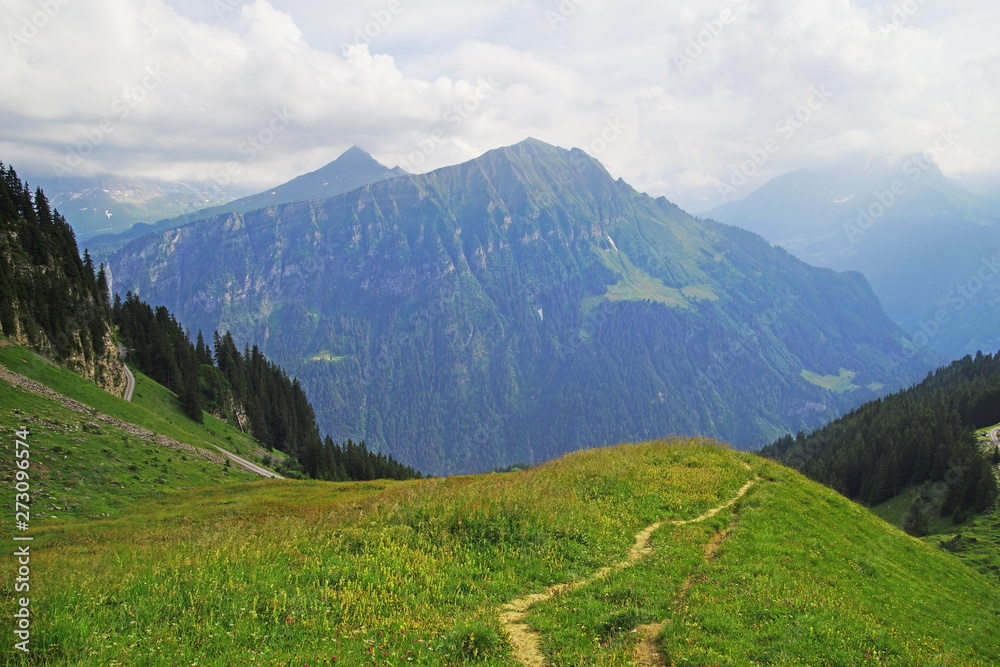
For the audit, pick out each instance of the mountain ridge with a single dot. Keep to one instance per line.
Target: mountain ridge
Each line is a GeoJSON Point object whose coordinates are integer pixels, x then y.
{"type": "Point", "coordinates": [353, 169]}
{"type": "Point", "coordinates": [516, 289]}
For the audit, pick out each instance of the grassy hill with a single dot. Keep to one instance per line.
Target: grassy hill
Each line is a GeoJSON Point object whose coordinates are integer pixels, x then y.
{"type": "Point", "coordinates": [85, 467]}
{"type": "Point", "coordinates": [682, 552]}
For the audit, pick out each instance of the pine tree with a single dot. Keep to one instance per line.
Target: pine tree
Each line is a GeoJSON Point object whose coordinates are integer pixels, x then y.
{"type": "Point", "coordinates": [190, 396]}
{"type": "Point", "coordinates": [916, 522]}
{"type": "Point", "coordinates": [102, 294]}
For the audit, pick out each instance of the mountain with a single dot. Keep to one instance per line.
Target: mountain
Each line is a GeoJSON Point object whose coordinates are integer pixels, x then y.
{"type": "Point", "coordinates": [54, 302]}
{"type": "Point", "coordinates": [525, 304]}
{"type": "Point", "coordinates": [104, 205]}
{"type": "Point", "coordinates": [353, 169]}
{"type": "Point", "coordinates": [930, 248]}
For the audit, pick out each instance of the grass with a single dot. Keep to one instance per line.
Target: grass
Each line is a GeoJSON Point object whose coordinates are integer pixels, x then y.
{"type": "Point", "coordinates": [392, 573]}
{"type": "Point", "coordinates": [975, 541]}
{"type": "Point", "coordinates": [836, 383]}
{"type": "Point", "coordinates": [83, 469]}
{"type": "Point", "coordinates": [326, 355]}
{"type": "Point", "coordinates": [636, 284]}
{"type": "Point", "coordinates": [153, 406]}
{"type": "Point", "coordinates": [808, 578]}
{"type": "Point", "coordinates": [299, 570]}
{"type": "Point", "coordinates": [155, 558]}
{"type": "Point", "coordinates": [894, 511]}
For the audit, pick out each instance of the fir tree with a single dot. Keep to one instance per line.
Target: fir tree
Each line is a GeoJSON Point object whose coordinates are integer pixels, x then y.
{"type": "Point", "coordinates": [916, 522]}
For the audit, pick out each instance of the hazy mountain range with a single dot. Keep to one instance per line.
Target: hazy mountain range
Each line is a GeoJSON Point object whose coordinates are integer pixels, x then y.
{"type": "Point", "coordinates": [351, 170]}
{"type": "Point", "coordinates": [524, 304]}
{"type": "Point", "coordinates": [930, 247]}
{"type": "Point", "coordinates": [101, 205]}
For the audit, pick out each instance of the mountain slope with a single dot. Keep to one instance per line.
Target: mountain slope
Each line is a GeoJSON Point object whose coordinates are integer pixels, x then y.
{"type": "Point", "coordinates": [790, 573]}
{"type": "Point", "coordinates": [51, 299]}
{"type": "Point", "coordinates": [353, 169]}
{"type": "Point", "coordinates": [93, 453]}
{"type": "Point", "coordinates": [928, 246]}
{"type": "Point", "coordinates": [922, 435]}
{"type": "Point", "coordinates": [522, 305]}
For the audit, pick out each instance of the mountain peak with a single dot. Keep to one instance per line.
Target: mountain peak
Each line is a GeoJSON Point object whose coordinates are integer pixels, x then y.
{"type": "Point", "coordinates": [355, 154]}
{"type": "Point", "coordinates": [355, 158]}
{"type": "Point", "coordinates": [553, 162]}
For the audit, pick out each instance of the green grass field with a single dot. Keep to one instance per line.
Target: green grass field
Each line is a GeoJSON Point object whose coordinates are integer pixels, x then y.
{"type": "Point", "coordinates": [636, 284]}
{"type": "Point", "coordinates": [192, 563]}
{"type": "Point", "coordinates": [837, 383]}
{"type": "Point", "coordinates": [84, 468]}
{"type": "Point", "coordinates": [297, 573]}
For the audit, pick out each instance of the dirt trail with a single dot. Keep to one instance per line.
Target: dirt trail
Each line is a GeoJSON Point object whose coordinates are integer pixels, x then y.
{"type": "Point", "coordinates": [526, 643]}
{"type": "Point", "coordinates": [647, 653]}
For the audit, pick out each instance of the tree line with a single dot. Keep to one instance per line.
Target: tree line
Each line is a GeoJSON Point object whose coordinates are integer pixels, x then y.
{"type": "Point", "coordinates": [51, 299]}
{"type": "Point", "coordinates": [243, 388]}
{"type": "Point", "coordinates": [923, 434]}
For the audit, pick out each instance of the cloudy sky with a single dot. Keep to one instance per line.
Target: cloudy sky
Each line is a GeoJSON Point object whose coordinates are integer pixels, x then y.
{"type": "Point", "coordinates": [676, 97]}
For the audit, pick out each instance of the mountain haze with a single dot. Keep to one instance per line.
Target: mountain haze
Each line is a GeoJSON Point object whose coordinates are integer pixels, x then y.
{"type": "Point", "coordinates": [929, 247]}
{"type": "Point", "coordinates": [524, 304]}
{"type": "Point", "coordinates": [109, 205]}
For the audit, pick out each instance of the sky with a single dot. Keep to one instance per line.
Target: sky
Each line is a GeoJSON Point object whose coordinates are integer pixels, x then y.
{"type": "Point", "coordinates": [700, 101]}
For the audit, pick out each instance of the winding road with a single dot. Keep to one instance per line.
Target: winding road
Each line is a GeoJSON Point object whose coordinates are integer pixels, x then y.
{"type": "Point", "coordinates": [238, 460]}
{"type": "Point", "coordinates": [129, 384]}
{"type": "Point", "coordinates": [252, 467]}
{"type": "Point", "coordinates": [995, 436]}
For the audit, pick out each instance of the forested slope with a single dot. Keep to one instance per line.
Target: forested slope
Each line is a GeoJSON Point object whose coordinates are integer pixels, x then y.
{"type": "Point", "coordinates": [922, 434]}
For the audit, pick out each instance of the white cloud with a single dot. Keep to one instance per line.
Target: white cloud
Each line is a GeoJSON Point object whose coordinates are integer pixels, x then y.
{"type": "Point", "coordinates": [418, 83]}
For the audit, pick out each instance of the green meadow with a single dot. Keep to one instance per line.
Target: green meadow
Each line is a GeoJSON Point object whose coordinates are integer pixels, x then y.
{"type": "Point", "coordinates": [157, 557]}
